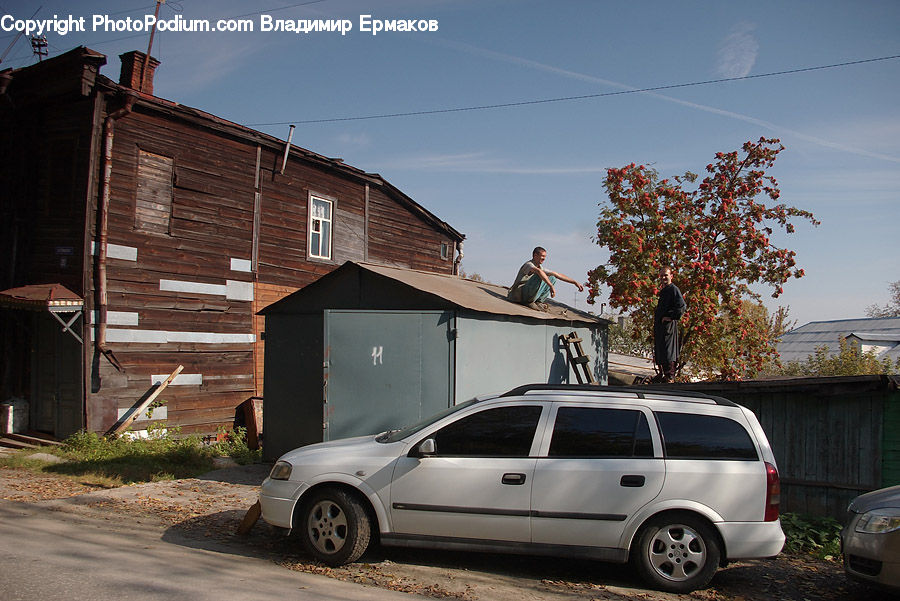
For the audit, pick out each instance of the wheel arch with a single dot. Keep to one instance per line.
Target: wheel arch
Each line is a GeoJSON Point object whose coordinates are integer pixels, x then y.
{"type": "Point", "coordinates": [708, 516]}
{"type": "Point", "coordinates": [353, 486]}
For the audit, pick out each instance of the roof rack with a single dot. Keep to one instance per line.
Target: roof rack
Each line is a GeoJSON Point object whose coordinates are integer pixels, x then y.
{"type": "Point", "coordinates": [639, 391]}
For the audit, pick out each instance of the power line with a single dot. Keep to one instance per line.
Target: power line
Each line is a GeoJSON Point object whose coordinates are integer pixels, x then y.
{"type": "Point", "coordinates": [484, 107]}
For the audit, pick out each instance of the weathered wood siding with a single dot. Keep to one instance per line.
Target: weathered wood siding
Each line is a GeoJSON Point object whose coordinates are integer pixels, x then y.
{"type": "Point", "coordinates": [46, 170]}
{"type": "Point", "coordinates": [46, 166]}
{"type": "Point", "coordinates": [265, 295]}
{"type": "Point", "coordinates": [188, 256]}
{"type": "Point", "coordinates": [398, 237]}
{"type": "Point", "coordinates": [203, 231]}
{"type": "Point", "coordinates": [178, 299]}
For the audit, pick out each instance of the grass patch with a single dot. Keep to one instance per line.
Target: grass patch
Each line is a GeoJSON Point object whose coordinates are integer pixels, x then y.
{"type": "Point", "coordinates": [117, 461]}
{"type": "Point", "coordinates": [820, 537]}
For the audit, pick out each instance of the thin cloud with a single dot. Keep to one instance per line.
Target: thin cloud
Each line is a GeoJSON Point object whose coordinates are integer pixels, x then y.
{"type": "Point", "coordinates": [737, 52]}
{"type": "Point", "coordinates": [781, 131]}
{"type": "Point", "coordinates": [359, 140]}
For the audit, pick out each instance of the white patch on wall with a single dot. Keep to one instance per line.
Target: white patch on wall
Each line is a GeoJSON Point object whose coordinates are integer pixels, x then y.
{"type": "Point", "coordinates": [116, 251]}
{"type": "Point", "coordinates": [194, 287]}
{"type": "Point", "coordinates": [235, 290]}
{"type": "Point", "coordinates": [180, 379]}
{"type": "Point", "coordinates": [158, 413]}
{"type": "Point", "coordinates": [163, 336]}
{"type": "Point", "coordinates": [116, 318]}
{"type": "Point", "coordinates": [241, 265]}
{"type": "Point", "coordinates": [232, 290]}
{"type": "Point", "coordinates": [126, 253]}
{"type": "Point", "coordinates": [144, 434]}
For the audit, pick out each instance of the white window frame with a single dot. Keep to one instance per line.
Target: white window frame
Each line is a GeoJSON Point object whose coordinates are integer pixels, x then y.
{"type": "Point", "coordinates": [318, 224]}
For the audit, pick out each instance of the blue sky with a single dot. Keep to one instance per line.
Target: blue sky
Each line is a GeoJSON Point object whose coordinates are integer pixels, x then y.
{"type": "Point", "coordinates": [515, 177]}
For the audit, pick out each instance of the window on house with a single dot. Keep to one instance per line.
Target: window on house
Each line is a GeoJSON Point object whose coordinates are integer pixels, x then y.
{"type": "Point", "coordinates": [320, 223]}
{"type": "Point", "coordinates": [153, 201]}
{"type": "Point", "coordinates": [445, 251]}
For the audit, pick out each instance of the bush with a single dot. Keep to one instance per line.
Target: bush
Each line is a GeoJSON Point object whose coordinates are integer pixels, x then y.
{"type": "Point", "coordinates": [812, 535]}
{"type": "Point", "coordinates": [234, 445]}
{"type": "Point", "coordinates": [127, 460]}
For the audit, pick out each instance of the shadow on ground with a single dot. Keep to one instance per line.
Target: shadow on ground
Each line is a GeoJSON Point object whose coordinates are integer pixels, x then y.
{"type": "Point", "coordinates": [470, 576]}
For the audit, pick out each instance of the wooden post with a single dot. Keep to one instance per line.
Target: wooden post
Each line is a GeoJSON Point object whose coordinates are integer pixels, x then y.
{"type": "Point", "coordinates": [142, 404]}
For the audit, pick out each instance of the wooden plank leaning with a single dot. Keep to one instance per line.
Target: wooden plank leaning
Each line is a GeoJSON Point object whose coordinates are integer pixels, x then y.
{"type": "Point", "coordinates": [132, 414]}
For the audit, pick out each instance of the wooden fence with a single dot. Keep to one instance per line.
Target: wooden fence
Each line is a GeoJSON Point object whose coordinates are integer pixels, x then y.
{"type": "Point", "coordinates": [834, 438]}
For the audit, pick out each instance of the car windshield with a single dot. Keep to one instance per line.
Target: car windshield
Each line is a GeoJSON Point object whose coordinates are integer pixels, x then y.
{"type": "Point", "coordinates": [395, 435]}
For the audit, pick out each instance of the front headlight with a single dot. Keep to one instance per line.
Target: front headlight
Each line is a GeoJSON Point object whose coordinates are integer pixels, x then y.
{"type": "Point", "coordinates": [281, 471]}
{"type": "Point", "coordinates": [879, 521]}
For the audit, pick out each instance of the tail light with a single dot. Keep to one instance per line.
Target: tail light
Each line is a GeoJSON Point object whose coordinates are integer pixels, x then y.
{"type": "Point", "coordinates": [773, 492]}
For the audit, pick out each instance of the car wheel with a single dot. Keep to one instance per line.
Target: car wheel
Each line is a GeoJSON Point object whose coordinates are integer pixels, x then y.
{"type": "Point", "coordinates": [676, 553]}
{"type": "Point", "coordinates": [335, 527]}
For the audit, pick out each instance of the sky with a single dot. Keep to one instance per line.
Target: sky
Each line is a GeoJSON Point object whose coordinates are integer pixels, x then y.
{"type": "Point", "coordinates": [567, 83]}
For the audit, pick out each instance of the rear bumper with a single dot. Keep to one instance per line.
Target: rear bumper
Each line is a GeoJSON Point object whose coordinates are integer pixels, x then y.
{"type": "Point", "coordinates": [750, 540]}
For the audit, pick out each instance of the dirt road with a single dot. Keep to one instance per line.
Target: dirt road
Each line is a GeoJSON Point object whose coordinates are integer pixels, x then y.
{"type": "Point", "coordinates": [207, 511]}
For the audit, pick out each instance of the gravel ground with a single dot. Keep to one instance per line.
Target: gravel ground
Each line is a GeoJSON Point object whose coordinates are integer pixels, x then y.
{"type": "Point", "coordinates": [210, 508]}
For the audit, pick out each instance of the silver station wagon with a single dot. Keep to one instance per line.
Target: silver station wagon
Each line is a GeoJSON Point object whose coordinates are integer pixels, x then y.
{"type": "Point", "coordinates": [676, 483]}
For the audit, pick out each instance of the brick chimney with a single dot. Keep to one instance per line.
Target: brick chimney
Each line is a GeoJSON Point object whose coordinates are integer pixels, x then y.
{"type": "Point", "coordinates": [132, 65]}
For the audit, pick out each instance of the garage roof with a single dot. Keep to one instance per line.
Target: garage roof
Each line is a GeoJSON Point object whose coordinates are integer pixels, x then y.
{"type": "Point", "coordinates": [415, 290]}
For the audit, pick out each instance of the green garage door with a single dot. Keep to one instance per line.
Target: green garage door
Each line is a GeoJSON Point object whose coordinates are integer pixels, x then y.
{"type": "Point", "coordinates": [385, 369]}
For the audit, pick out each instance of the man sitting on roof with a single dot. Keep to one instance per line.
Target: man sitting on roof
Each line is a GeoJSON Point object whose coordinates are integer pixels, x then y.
{"type": "Point", "coordinates": [533, 284]}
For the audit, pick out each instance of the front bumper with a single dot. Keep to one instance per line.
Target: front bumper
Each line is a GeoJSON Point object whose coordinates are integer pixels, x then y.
{"type": "Point", "coordinates": [871, 557]}
{"type": "Point", "coordinates": [277, 499]}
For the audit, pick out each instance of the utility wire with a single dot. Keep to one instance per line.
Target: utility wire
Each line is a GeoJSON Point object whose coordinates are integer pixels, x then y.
{"type": "Point", "coordinates": [484, 107]}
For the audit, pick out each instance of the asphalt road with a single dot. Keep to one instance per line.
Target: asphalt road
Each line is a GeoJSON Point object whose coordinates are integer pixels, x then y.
{"type": "Point", "coordinates": [50, 555]}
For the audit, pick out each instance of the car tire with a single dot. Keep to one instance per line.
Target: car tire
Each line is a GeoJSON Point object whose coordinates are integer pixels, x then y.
{"type": "Point", "coordinates": [677, 553]}
{"type": "Point", "coordinates": [334, 526]}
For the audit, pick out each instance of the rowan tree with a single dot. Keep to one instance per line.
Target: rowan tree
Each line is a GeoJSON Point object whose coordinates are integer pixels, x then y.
{"type": "Point", "coordinates": [718, 239]}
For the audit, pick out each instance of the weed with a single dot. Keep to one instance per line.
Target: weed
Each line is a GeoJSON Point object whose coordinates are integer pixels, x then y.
{"type": "Point", "coordinates": [816, 536]}
{"type": "Point", "coordinates": [234, 445]}
{"type": "Point", "coordinates": [114, 461]}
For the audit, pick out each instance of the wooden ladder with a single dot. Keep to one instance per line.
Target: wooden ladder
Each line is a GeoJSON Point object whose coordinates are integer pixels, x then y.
{"type": "Point", "coordinates": [579, 361]}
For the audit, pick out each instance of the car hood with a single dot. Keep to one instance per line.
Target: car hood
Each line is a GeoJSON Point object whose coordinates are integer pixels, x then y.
{"type": "Point", "coordinates": [877, 499]}
{"type": "Point", "coordinates": [359, 445]}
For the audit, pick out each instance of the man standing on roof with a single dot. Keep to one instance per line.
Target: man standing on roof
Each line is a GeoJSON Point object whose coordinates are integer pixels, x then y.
{"type": "Point", "coordinates": [670, 306]}
{"type": "Point", "coordinates": [533, 284]}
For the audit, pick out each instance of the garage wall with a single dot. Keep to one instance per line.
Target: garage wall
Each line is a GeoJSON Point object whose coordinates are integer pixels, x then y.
{"type": "Point", "coordinates": [496, 354]}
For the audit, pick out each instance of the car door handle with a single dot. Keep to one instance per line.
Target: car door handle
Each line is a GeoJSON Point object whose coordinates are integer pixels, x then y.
{"type": "Point", "coordinates": [632, 481]}
{"type": "Point", "coordinates": [513, 479]}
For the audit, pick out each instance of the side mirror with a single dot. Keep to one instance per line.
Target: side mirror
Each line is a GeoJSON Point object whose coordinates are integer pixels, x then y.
{"type": "Point", "coordinates": [426, 447]}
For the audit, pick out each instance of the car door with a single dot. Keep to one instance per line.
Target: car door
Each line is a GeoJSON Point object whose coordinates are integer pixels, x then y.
{"type": "Point", "coordinates": [477, 482]}
{"type": "Point", "coordinates": [599, 466]}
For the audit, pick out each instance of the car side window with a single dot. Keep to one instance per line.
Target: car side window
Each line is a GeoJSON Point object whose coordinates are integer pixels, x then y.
{"type": "Point", "coordinates": [589, 432]}
{"type": "Point", "coordinates": [690, 436]}
{"type": "Point", "coordinates": [499, 432]}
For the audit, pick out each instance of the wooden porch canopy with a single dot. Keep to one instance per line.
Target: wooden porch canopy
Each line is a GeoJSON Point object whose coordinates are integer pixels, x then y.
{"type": "Point", "coordinates": [54, 298]}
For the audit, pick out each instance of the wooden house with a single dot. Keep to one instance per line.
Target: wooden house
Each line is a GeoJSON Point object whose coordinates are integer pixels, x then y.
{"type": "Point", "coordinates": [173, 227]}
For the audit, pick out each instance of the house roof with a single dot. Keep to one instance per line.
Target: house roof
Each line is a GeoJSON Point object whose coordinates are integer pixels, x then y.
{"type": "Point", "coordinates": [800, 343]}
{"type": "Point", "coordinates": [445, 291]}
